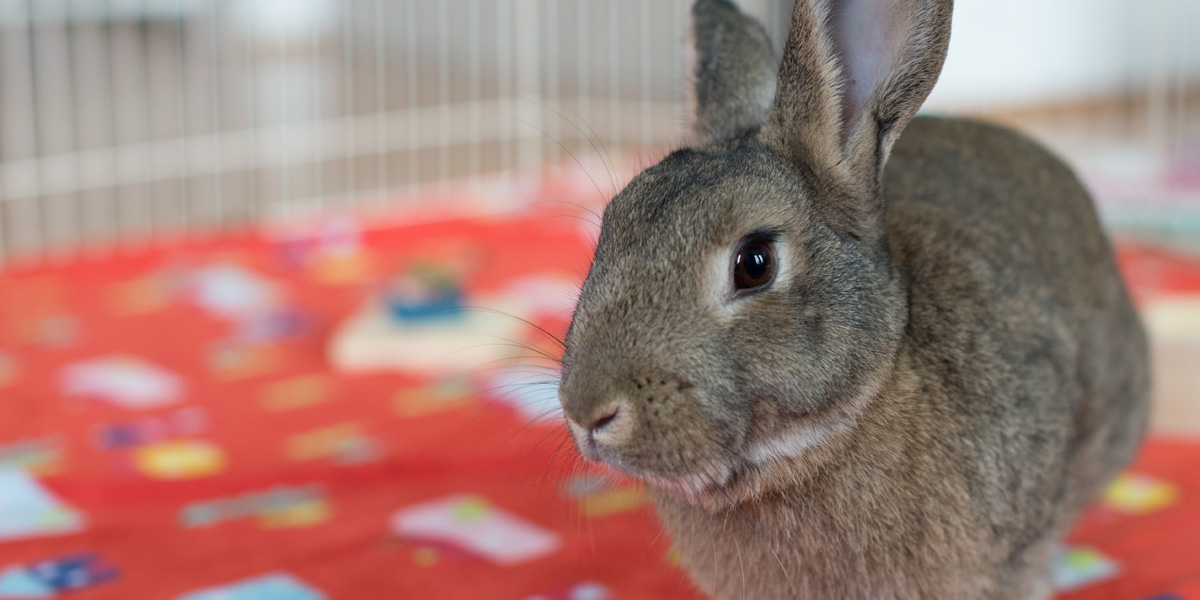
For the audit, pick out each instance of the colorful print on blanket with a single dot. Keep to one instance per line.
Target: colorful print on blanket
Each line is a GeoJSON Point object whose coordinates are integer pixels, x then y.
{"type": "Point", "coordinates": [213, 422]}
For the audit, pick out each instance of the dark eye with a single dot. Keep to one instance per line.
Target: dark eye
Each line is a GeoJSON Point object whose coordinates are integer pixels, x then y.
{"type": "Point", "coordinates": [754, 266]}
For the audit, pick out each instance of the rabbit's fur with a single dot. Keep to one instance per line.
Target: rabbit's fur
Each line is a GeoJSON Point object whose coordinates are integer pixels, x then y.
{"type": "Point", "coordinates": [944, 371]}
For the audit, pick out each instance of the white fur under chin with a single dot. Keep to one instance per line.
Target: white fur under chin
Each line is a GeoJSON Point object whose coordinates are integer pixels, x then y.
{"type": "Point", "coordinates": [790, 444]}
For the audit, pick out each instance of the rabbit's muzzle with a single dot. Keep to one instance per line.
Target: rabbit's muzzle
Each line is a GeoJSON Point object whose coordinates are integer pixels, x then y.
{"type": "Point", "coordinates": [652, 427]}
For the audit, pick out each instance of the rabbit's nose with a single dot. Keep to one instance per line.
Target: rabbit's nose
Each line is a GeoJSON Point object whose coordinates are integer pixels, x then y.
{"type": "Point", "coordinates": [611, 423]}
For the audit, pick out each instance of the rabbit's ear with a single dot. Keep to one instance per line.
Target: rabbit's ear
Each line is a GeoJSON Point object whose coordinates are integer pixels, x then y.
{"type": "Point", "coordinates": [734, 71]}
{"type": "Point", "coordinates": [853, 74]}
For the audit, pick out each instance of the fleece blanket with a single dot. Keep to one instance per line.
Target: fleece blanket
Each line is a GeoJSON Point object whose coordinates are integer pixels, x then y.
{"type": "Point", "coordinates": [175, 425]}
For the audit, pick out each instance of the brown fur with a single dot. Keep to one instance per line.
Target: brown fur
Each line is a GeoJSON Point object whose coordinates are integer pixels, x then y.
{"type": "Point", "coordinates": [946, 369]}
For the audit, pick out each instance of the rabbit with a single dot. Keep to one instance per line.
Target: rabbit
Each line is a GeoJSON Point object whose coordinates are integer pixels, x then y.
{"type": "Point", "coordinates": [851, 352]}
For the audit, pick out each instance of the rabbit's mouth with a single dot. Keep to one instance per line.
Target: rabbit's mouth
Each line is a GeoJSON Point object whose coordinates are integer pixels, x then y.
{"type": "Point", "coordinates": [715, 488]}
{"type": "Point", "coordinates": [715, 483]}
{"type": "Point", "coordinates": [741, 482]}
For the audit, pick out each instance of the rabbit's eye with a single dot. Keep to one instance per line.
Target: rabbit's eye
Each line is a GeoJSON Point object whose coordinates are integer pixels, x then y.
{"type": "Point", "coordinates": [754, 266]}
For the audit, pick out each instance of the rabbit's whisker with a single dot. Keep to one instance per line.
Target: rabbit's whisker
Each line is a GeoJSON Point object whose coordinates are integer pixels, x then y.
{"type": "Point", "coordinates": [592, 138]}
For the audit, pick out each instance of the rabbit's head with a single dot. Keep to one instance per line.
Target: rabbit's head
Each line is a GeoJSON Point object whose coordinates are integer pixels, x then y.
{"type": "Point", "coordinates": [741, 308]}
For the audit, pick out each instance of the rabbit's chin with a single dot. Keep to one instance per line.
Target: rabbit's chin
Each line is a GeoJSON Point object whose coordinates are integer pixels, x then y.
{"type": "Point", "coordinates": [710, 492]}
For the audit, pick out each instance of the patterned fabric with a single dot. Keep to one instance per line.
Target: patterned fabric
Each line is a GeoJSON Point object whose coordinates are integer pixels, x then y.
{"type": "Point", "coordinates": [170, 427]}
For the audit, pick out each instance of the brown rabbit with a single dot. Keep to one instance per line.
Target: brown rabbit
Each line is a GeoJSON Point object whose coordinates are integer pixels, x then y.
{"type": "Point", "coordinates": [850, 363]}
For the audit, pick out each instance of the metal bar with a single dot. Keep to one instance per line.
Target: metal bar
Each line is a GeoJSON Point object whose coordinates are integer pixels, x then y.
{"type": "Point", "coordinates": [114, 204]}
{"type": "Point", "coordinates": [381, 174]}
{"type": "Point", "coordinates": [443, 59]}
{"type": "Point", "coordinates": [646, 67]}
{"type": "Point", "coordinates": [18, 133]}
{"type": "Point", "coordinates": [35, 224]}
{"type": "Point", "coordinates": [126, 64]}
{"type": "Point", "coordinates": [583, 64]}
{"type": "Point", "coordinates": [411, 52]}
{"type": "Point", "coordinates": [70, 232]}
{"type": "Point", "coordinates": [527, 37]}
{"type": "Point", "coordinates": [184, 207]}
{"type": "Point", "coordinates": [614, 75]}
{"type": "Point", "coordinates": [285, 167]}
{"type": "Point", "coordinates": [92, 105]}
{"type": "Point", "coordinates": [253, 189]}
{"type": "Point", "coordinates": [552, 53]}
{"type": "Point", "coordinates": [315, 72]}
{"type": "Point", "coordinates": [151, 204]}
{"type": "Point", "coordinates": [504, 81]}
{"type": "Point", "coordinates": [348, 83]}
{"type": "Point", "coordinates": [474, 93]}
{"type": "Point", "coordinates": [679, 79]}
{"type": "Point", "coordinates": [214, 40]}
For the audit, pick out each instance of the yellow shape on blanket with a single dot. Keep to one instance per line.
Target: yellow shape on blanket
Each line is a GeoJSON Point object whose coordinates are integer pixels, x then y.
{"type": "Point", "coordinates": [180, 459]}
{"type": "Point", "coordinates": [138, 296]}
{"type": "Point", "coordinates": [1137, 494]}
{"type": "Point", "coordinates": [305, 514]}
{"type": "Point", "coordinates": [241, 362]}
{"type": "Point", "coordinates": [344, 268]}
{"type": "Point", "coordinates": [322, 442]}
{"type": "Point", "coordinates": [296, 392]}
{"type": "Point", "coordinates": [29, 308]}
{"type": "Point", "coordinates": [425, 556]}
{"type": "Point", "coordinates": [48, 468]}
{"type": "Point", "coordinates": [8, 370]}
{"type": "Point", "coordinates": [450, 394]}
{"type": "Point", "coordinates": [614, 501]}
{"type": "Point", "coordinates": [471, 510]}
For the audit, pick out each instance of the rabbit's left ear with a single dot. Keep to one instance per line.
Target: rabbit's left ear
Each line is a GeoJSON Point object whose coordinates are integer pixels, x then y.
{"type": "Point", "coordinates": [853, 74]}
{"type": "Point", "coordinates": [733, 69]}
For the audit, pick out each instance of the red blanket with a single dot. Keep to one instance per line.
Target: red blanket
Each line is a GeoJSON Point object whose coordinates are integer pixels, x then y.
{"type": "Point", "coordinates": [170, 428]}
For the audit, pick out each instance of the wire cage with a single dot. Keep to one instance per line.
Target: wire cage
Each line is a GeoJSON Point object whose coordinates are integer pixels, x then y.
{"type": "Point", "coordinates": [127, 121]}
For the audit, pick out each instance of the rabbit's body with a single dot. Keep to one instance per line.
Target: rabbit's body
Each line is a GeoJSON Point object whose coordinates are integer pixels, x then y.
{"type": "Point", "coordinates": [1020, 390]}
{"type": "Point", "coordinates": [849, 366]}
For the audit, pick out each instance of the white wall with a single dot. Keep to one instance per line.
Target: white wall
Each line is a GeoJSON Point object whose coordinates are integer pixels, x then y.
{"type": "Point", "coordinates": [1019, 52]}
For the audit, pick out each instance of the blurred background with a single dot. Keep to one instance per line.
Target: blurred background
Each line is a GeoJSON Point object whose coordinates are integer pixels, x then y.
{"type": "Point", "coordinates": [125, 120]}
{"type": "Point", "coordinates": [131, 123]}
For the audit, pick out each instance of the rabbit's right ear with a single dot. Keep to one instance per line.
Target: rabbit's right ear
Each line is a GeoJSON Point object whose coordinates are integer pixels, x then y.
{"type": "Point", "coordinates": [853, 74]}
{"type": "Point", "coordinates": [734, 71]}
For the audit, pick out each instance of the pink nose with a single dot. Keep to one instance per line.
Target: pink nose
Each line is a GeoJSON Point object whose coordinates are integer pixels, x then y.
{"type": "Point", "coordinates": [611, 423]}
{"type": "Point", "coordinates": [604, 420]}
